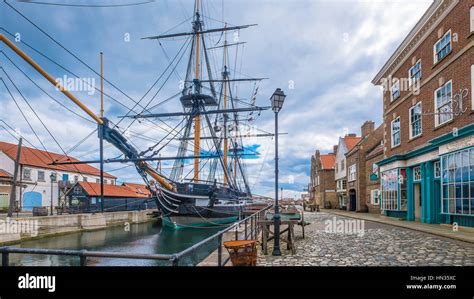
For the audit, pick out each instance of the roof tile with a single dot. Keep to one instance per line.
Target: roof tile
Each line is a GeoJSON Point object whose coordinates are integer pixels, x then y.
{"type": "Point", "coordinates": [42, 159]}
{"type": "Point", "coordinates": [93, 189]}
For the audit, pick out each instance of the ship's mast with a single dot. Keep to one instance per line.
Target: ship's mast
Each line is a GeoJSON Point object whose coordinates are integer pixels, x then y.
{"type": "Point", "coordinates": [226, 146]}
{"type": "Point", "coordinates": [197, 118]}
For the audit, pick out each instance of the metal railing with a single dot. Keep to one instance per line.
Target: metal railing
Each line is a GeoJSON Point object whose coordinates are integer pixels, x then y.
{"type": "Point", "coordinates": [174, 259]}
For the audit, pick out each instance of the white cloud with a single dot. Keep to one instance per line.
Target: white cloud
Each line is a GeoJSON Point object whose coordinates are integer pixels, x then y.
{"type": "Point", "coordinates": [330, 49]}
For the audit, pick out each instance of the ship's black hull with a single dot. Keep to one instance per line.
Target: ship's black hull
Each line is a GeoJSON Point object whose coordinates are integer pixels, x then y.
{"type": "Point", "coordinates": [198, 205]}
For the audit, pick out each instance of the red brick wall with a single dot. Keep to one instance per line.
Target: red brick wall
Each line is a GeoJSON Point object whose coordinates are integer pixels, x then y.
{"type": "Point", "coordinates": [459, 71]}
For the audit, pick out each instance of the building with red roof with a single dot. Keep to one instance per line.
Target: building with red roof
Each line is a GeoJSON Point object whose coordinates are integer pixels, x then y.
{"type": "Point", "coordinates": [42, 183]}
{"type": "Point", "coordinates": [345, 144]}
{"type": "Point", "coordinates": [322, 189]}
{"type": "Point", "coordinates": [359, 172]}
{"type": "Point", "coordinates": [85, 197]}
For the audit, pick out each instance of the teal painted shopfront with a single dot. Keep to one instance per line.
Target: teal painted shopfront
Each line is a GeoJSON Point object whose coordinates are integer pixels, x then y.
{"type": "Point", "coordinates": [433, 184]}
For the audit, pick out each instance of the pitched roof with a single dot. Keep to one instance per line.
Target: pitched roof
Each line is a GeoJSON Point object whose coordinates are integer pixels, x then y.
{"type": "Point", "coordinates": [327, 161]}
{"type": "Point", "coordinates": [351, 142]}
{"type": "Point", "coordinates": [93, 189]}
{"type": "Point", "coordinates": [139, 189]}
{"type": "Point", "coordinates": [4, 174]}
{"type": "Point", "coordinates": [42, 159]}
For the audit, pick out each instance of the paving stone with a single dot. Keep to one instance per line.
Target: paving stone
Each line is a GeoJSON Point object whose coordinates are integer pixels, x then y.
{"type": "Point", "coordinates": [381, 245]}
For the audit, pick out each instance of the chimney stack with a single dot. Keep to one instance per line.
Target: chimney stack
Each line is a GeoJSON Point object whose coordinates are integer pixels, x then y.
{"type": "Point", "coordinates": [367, 128]}
{"type": "Point", "coordinates": [334, 149]}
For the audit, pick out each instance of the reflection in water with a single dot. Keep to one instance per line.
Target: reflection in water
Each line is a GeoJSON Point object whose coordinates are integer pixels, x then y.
{"type": "Point", "coordinates": [146, 238]}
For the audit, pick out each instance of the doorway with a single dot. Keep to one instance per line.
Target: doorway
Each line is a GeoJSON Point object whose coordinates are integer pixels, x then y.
{"type": "Point", "coordinates": [353, 200]}
{"type": "Point", "coordinates": [417, 199]}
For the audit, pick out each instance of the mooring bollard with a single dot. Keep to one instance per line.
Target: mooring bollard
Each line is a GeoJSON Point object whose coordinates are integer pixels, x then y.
{"type": "Point", "coordinates": [175, 260]}
{"type": "Point", "coordinates": [83, 258]}
{"type": "Point", "coordinates": [5, 258]}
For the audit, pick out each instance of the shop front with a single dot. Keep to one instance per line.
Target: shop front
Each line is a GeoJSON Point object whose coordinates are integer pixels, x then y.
{"type": "Point", "coordinates": [433, 184]}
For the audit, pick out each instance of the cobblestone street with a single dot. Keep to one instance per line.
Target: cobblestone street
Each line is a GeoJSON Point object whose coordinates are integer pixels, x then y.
{"type": "Point", "coordinates": [381, 245]}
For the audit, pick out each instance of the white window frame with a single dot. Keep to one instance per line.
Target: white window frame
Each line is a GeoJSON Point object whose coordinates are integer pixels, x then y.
{"type": "Point", "coordinates": [453, 178]}
{"type": "Point", "coordinates": [390, 190]}
{"type": "Point", "coordinates": [399, 132]}
{"type": "Point", "coordinates": [375, 197]}
{"type": "Point", "coordinates": [472, 84]}
{"type": "Point", "coordinates": [397, 84]}
{"type": "Point", "coordinates": [43, 174]}
{"type": "Point", "coordinates": [472, 18]}
{"type": "Point", "coordinates": [410, 77]}
{"type": "Point", "coordinates": [437, 169]}
{"type": "Point", "coordinates": [420, 120]}
{"type": "Point", "coordinates": [437, 115]}
{"type": "Point", "coordinates": [435, 54]}
{"type": "Point", "coordinates": [352, 173]}
{"type": "Point", "coordinates": [27, 174]}
{"type": "Point", "coordinates": [417, 174]}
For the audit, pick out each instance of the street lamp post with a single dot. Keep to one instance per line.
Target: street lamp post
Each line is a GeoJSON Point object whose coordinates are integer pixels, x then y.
{"type": "Point", "coordinates": [277, 100]}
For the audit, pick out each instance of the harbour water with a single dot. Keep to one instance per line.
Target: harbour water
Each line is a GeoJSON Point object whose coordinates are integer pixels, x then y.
{"type": "Point", "coordinates": [145, 238]}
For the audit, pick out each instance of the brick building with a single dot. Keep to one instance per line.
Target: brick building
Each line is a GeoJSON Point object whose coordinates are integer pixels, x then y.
{"type": "Point", "coordinates": [323, 186]}
{"type": "Point", "coordinates": [345, 144]}
{"type": "Point", "coordinates": [372, 175]}
{"type": "Point", "coordinates": [357, 171]}
{"type": "Point", "coordinates": [428, 161]}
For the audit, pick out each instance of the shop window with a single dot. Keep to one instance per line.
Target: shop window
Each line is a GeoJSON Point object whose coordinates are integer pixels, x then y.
{"type": "Point", "coordinates": [457, 171]}
{"type": "Point", "coordinates": [402, 180]}
{"type": "Point", "coordinates": [390, 184]}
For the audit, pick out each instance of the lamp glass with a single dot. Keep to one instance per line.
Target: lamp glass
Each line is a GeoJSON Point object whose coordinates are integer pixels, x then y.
{"type": "Point", "coordinates": [277, 100]}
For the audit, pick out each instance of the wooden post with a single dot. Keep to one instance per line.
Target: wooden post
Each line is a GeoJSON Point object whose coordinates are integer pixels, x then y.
{"type": "Point", "coordinates": [15, 179]}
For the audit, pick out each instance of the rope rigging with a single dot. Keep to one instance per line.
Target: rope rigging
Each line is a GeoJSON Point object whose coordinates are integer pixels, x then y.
{"type": "Point", "coordinates": [84, 63]}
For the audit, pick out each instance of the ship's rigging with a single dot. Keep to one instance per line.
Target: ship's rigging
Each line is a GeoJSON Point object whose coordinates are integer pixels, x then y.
{"type": "Point", "coordinates": [213, 119]}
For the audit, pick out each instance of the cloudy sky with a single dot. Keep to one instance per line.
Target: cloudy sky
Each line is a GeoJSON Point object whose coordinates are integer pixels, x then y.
{"type": "Point", "coordinates": [323, 54]}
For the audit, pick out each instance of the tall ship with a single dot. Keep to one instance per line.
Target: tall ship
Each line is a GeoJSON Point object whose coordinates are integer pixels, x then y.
{"type": "Point", "coordinates": [212, 115]}
{"type": "Point", "coordinates": [211, 125]}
